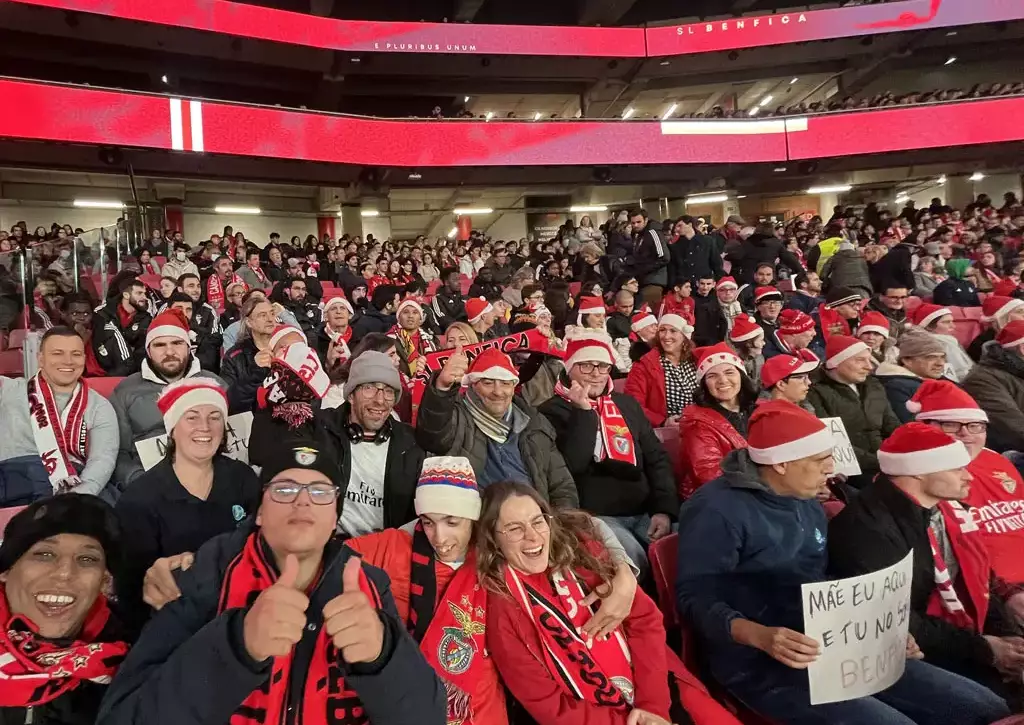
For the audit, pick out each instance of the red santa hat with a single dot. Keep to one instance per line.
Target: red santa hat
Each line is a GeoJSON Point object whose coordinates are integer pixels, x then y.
{"type": "Point", "coordinates": [927, 313]}
{"type": "Point", "coordinates": [477, 307]}
{"type": "Point", "coordinates": [169, 323]}
{"type": "Point", "coordinates": [766, 294]}
{"type": "Point", "coordinates": [997, 306]}
{"type": "Point", "coordinates": [794, 322]}
{"type": "Point", "coordinates": [409, 303]}
{"type": "Point", "coordinates": [708, 357]}
{"type": "Point", "coordinates": [676, 322]}
{"type": "Point", "coordinates": [726, 283]}
{"type": "Point", "coordinates": [917, 449]}
{"type": "Point", "coordinates": [588, 346]}
{"type": "Point", "coordinates": [841, 348]}
{"type": "Point", "coordinates": [1005, 287]}
{"type": "Point", "coordinates": [943, 400]}
{"type": "Point", "coordinates": [780, 367]}
{"type": "Point", "coordinates": [177, 398]}
{"type": "Point", "coordinates": [282, 331]}
{"type": "Point", "coordinates": [874, 322]}
{"type": "Point", "coordinates": [642, 318]}
{"type": "Point", "coordinates": [780, 432]}
{"type": "Point", "coordinates": [591, 306]}
{"type": "Point", "coordinates": [1012, 335]}
{"type": "Point", "coordinates": [745, 327]}
{"type": "Point", "coordinates": [336, 301]}
{"type": "Point", "coordinates": [491, 365]}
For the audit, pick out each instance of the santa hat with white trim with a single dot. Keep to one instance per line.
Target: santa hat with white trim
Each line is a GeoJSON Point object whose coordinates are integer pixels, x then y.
{"type": "Point", "coordinates": [996, 306]}
{"type": "Point", "coordinates": [917, 449]}
{"type": "Point", "coordinates": [677, 322]}
{"type": "Point", "coordinates": [928, 313]}
{"type": "Point", "coordinates": [708, 357]}
{"type": "Point", "coordinates": [780, 432]}
{"type": "Point", "coordinates": [588, 346]}
{"type": "Point", "coordinates": [169, 323]}
{"type": "Point", "coordinates": [176, 399]}
{"type": "Point", "coordinates": [874, 322]}
{"type": "Point", "coordinates": [409, 303]}
{"type": "Point", "coordinates": [726, 283]}
{"type": "Point", "coordinates": [591, 306]}
{"type": "Point", "coordinates": [642, 318]}
{"type": "Point", "coordinates": [477, 307]}
{"type": "Point", "coordinates": [336, 301]}
{"type": "Point", "coordinates": [1012, 335]}
{"type": "Point", "coordinates": [766, 294]}
{"type": "Point", "coordinates": [282, 331]}
{"type": "Point", "coordinates": [491, 364]}
{"type": "Point", "coordinates": [841, 348]}
{"type": "Point", "coordinates": [745, 327]}
{"type": "Point", "coordinates": [944, 401]}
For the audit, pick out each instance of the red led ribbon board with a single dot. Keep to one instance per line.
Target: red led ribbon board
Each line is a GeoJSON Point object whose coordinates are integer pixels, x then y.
{"type": "Point", "coordinates": [91, 116]}
{"type": "Point", "coordinates": [846, 22]}
{"type": "Point", "coordinates": [280, 26]}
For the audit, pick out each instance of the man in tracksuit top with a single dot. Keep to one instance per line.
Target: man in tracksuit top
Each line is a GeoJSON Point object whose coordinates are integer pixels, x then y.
{"type": "Point", "coordinates": [650, 258]}
{"type": "Point", "coordinates": [279, 622]}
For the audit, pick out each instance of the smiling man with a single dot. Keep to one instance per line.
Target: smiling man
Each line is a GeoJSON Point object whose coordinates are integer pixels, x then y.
{"type": "Point", "coordinates": [58, 436]}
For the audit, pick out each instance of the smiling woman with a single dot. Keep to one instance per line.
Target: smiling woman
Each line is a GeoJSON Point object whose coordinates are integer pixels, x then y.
{"type": "Point", "coordinates": [55, 562]}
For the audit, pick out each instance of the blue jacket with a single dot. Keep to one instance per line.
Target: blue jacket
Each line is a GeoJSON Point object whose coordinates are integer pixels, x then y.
{"type": "Point", "coordinates": [744, 551]}
{"type": "Point", "coordinates": [807, 304]}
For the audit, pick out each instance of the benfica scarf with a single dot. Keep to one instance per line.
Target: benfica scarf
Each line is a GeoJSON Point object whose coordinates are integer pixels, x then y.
{"type": "Point", "coordinates": [415, 343]}
{"type": "Point", "coordinates": [601, 674]}
{"type": "Point", "coordinates": [35, 671]}
{"type": "Point", "coordinates": [945, 602]}
{"type": "Point", "coordinates": [258, 271]}
{"type": "Point", "coordinates": [215, 290]}
{"type": "Point", "coordinates": [613, 437]}
{"type": "Point", "coordinates": [61, 436]}
{"type": "Point", "coordinates": [325, 699]}
{"type": "Point", "coordinates": [296, 380]}
{"type": "Point", "coordinates": [451, 636]}
{"type": "Point", "coordinates": [334, 336]}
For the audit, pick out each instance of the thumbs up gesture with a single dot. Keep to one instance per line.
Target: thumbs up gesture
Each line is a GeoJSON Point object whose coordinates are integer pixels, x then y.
{"type": "Point", "coordinates": [275, 622]}
{"type": "Point", "coordinates": [454, 368]}
{"type": "Point", "coordinates": [352, 622]}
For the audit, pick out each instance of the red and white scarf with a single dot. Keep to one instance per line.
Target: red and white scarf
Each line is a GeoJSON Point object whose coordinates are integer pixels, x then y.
{"type": "Point", "coordinates": [258, 271]}
{"type": "Point", "coordinates": [613, 437]}
{"type": "Point", "coordinates": [215, 290]}
{"type": "Point", "coordinates": [61, 436]}
{"type": "Point", "coordinates": [945, 602]}
{"type": "Point", "coordinates": [414, 343]}
{"type": "Point", "coordinates": [34, 671]}
{"type": "Point", "coordinates": [601, 674]}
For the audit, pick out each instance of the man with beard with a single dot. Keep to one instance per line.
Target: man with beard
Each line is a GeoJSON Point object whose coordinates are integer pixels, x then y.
{"type": "Point", "coordinates": [120, 327]}
{"type": "Point", "coordinates": [217, 283]}
{"type": "Point", "coordinates": [293, 295]}
{"type": "Point", "coordinates": [205, 323]}
{"type": "Point", "coordinates": [168, 359]}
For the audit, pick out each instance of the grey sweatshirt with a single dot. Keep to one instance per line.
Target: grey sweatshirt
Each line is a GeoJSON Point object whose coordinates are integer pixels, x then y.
{"type": "Point", "coordinates": [18, 438]}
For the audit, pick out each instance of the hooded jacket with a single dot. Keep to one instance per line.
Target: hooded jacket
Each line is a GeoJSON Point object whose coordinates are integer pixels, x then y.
{"type": "Point", "coordinates": [997, 384]}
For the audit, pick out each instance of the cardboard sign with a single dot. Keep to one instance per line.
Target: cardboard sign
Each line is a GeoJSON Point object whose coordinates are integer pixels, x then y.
{"type": "Point", "coordinates": [842, 452]}
{"type": "Point", "coordinates": [152, 450]}
{"type": "Point", "coordinates": [861, 625]}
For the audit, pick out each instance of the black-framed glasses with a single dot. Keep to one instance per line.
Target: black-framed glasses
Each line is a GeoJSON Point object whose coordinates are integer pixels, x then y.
{"type": "Point", "coordinates": [285, 491]}
{"type": "Point", "coordinates": [588, 367]}
{"type": "Point", "coordinates": [517, 532]}
{"type": "Point", "coordinates": [953, 428]}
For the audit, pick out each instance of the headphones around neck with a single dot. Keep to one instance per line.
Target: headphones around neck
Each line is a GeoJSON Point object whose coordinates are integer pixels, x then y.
{"type": "Point", "coordinates": [355, 433]}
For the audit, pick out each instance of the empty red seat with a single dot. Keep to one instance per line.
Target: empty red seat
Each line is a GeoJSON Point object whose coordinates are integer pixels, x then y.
{"type": "Point", "coordinates": [103, 386]}
{"type": "Point", "coordinates": [433, 287]}
{"type": "Point", "coordinates": [17, 339]}
{"type": "Point", "coordinates": [332, 292]}
{"type": "Point", "coordinates": [466, 284]}
{"type": "Point", "coordinates": [966, 330]}
{"type": "Point", "coordinates": [971, 313]}
{"type": "Point", "coordinates": [669, 437]}
{"type": "Point", "coordinates": [574, 288]}
{"type": "Point", "coordinates": [12, 363]}
{"type": "Point", "coordinates": [662, 555]}
{"type": "Point", "coordinates": [150, 280]}
{"type": "Point", "coordinates": [160, 261]}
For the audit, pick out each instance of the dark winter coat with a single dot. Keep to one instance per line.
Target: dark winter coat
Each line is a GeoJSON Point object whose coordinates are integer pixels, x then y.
{"type": "Point", "coordinates": [372, 320]}
{"type": "Point", "coordinates": [900, 385]}
{"type": "Point", "coordinates": [242, 376]}
{"type": "Point", "coordinates": [119, 350]}
{"type": "Point", "coordinates": [693, 259]}
{"type": "Point", "coordinates": [649, 259]}
{"type": "Point", "coordinates": [847, 268]}
{"type": "Point", "coordinates": [757, 249]}
{"type": "Point", "coordinates": [997, 384]}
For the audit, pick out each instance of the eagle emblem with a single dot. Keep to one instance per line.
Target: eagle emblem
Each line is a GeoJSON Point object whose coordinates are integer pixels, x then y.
{"type": "Point", "coordinates": [456, 649]}
{"type": "Point", "coordinates": [1007, 480]}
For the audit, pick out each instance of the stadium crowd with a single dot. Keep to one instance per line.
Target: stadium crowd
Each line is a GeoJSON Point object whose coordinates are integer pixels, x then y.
{"type": "Point", "coordinates": [438, 481]}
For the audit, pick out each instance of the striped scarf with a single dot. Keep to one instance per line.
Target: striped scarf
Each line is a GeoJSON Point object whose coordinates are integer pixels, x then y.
{"type": "Point", "coordinates": [495, 429]}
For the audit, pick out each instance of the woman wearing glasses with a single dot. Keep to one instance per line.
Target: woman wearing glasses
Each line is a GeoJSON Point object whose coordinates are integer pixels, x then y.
{"type": "Point", "coordinates": [193, 494]}
{"type": "Point", "coordinates": [544, 571]}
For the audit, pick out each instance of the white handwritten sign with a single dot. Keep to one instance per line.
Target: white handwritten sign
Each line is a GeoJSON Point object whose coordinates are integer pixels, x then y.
{"type": "Point", "coordinates": [842, 451]}
{"type": "Point", "coordinates": [861, 626]}
{"type": "Point", "coordinates": [152, 450]}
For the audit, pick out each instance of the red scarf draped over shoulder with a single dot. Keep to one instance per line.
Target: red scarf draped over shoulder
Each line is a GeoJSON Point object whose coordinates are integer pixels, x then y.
{"type": "Point", "coordinates": [35, 670]}
{"type": "Point", "coordinates": [946, 601]}
{"type": "Point", "coordinates": [325, 699]}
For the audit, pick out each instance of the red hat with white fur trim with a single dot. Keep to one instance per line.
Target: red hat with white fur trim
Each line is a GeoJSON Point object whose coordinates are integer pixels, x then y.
{"type": "Point", "coordinates": [841, 348]}
{"type": "Point", "coordinates": [591, 306]}
{"type": "Point", "coordinates": [477, 307]}
{"type": "Point", "coordinates": [409, 303]}
{"type": "Point", "coordinates": [708, 357]}
{"type": "Point", "coordinates": [178, 397]}
{"type": "Point", "coordinates": [780, 432]}
{"type": "Point", "coordinates": [643, 318]}
{"type": "Point", "coordinates": [928, 313]}
{"type": "Point", "coordinates": [917, 449]}
{"type": "Point", "coordinates": [727, 283]}
{"type": "Point", "coordinates": [338, 301]}
{"type": "Point", "coordinates": [996, 306]}
{"type": "Point", "coordinates": [745, 327]}
{"type": "Point", "coordinates": [491, 364]}
{"type": "Point", "coordinates": [766, 294]}
{"type": "Point", "coordinates": [677, 322]}
{"type": "Point", "coordinates": [588, 346]}
{"type": "Point", "coordinates": [874, 322]}
{"type": "Point", "coordinates": [943, 400]}
{"type": "Point", "coordinates": [169, 323]}
{"type": "Point", "coordinates": [282, 331]}
{"type": "Point", "coordinates": [1011, 335]}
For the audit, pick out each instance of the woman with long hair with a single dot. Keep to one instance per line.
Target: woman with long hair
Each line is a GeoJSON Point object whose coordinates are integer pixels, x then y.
{"type": "Point", "coordinates": [665, 379]}
{"type": "Point", "coordinates": [543, 571]}
{"type": "Point", "coordinates": [147, 265]}
{"type": "Point", "coordinates": [427, 269]}
{"type": "Point", "coordinates": [459, 333]}
{"type": "Point", "coordinates": [717, 421]}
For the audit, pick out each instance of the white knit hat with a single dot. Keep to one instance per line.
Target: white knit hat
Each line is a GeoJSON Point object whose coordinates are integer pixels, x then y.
{"type": "Point", "coordinates": [447, 485]}
{"type": "Point", "coordinates": [176, 399]}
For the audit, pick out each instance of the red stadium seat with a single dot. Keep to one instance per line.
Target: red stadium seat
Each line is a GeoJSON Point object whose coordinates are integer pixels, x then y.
{"type": "Point", "coordinates": [332, 292]}
{"type": "Point", "coordinates": [663, 554]}
{"type": "Point", "coordinates": [670, 439]}
{"type": "Point", "coordinates": [12, 363]}
{"type": "Point", "coordinates": [6, 515]}
{"type": "Point", "coordinates": [433, 287]}
{"type": "Point", "coordinates": [103, 386]}
{"type": "Point", "coordinates": [150, 280]}
{"type": "Point", "coordinates": [161, 261]}
{"type": "Point", "coordinates": [17, 339]}
{"type": "Point", "coordinates": [466, 284]}
{"type": "Point", "coordinates": [619, 385]}
{"type": "Point", "coordinates": [966, 330]}
{"type": "Point", "coordinates": [970, 313]}
{"type": "Point", "coordinates": [327, 285]}
{"type": "Point", "coordinates": [3, 340]}
{"type": "Point", "coordinates": [1012, 720]}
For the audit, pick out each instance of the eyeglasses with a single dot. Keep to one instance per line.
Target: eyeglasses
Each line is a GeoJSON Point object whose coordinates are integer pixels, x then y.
{"type": "Point", "coordinates": [370, 390]}
{"type": "Point", "coordinates": [588, 367]}
{"type": "Point", "coordinates": [517, 532]}
{"type": "Point", "coordinates": [320, 494]}
{"type": "Point", "coordinates": [953, 428]}
{"type": "Point", "coordinates": [801, 377]}
{"type": "Point", "coordinates": [896, 298]}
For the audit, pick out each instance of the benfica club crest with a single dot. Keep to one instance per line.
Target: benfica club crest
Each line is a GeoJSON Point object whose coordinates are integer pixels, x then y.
{"type": "Point", "coordinates": [456, 649]}
{"type": "Point", "coordinates": [625, 687]}
{"type": "Point", "coordinates": [1007, 480]}
{"type": "Point", "coordinates": [622, 444]}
